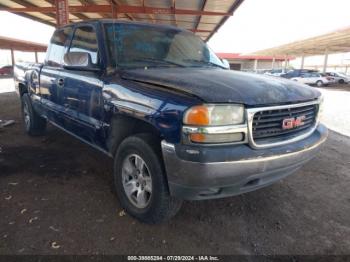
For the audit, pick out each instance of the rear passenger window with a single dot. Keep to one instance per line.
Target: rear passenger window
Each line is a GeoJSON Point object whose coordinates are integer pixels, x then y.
{"type": "Point", "coordinates": [57, 44]}
{"type": "Point", "coordinates": [84, 40]}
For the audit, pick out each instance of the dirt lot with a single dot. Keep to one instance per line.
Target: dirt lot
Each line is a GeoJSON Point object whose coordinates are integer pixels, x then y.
{"type": "Point", "coordinates": [56, 198]}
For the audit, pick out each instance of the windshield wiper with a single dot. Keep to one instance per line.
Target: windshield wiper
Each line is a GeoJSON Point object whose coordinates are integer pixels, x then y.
{"type": "Point", "coordinates": [208, 63]}
{"type": "Point", "coordinates": [155, 60]}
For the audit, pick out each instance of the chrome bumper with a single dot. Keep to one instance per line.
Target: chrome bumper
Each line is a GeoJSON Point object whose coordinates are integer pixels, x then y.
{"type": "Point", "coordinates": [252, 169]}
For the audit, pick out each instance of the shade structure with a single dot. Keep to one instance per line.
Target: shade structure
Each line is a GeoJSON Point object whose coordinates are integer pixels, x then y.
{"type": "Point", "coordinates": [334, 42]}
{"type": "Point", "coordinates": [203, 17]}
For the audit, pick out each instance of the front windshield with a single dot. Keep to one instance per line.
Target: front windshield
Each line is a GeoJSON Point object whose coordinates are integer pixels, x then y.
{"type": "Point", "coordinates": [140, 46]}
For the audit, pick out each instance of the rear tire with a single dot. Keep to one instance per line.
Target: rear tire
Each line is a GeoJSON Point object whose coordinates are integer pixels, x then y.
{"type": "Point", "coordinates": [319, 83]}
{"type": "Point", "coordinates": [155, 205]}
{"type": "Point", "coordinates": [34, 124]}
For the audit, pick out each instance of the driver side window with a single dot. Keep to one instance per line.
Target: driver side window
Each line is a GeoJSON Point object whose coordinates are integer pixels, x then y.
{"type": "Point", "coordinates": [85, 40]}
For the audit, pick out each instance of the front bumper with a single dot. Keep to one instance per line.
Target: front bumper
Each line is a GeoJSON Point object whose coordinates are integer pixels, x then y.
{"type": "Point", "coordinates": [205, 172]}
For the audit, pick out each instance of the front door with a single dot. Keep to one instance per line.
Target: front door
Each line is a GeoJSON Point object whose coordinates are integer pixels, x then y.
{"type": "Point", "coordinates": [82, 91]}
{"type": "Point", "coordinates": [50, 81]}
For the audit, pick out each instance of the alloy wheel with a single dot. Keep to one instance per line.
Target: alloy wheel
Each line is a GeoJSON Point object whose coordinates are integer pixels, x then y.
{"type": "Point", "coordinates": [137, 181]}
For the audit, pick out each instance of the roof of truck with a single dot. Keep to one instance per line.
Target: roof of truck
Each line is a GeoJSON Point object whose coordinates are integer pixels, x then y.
{"type": "Point", "coordinates": [115, 21]}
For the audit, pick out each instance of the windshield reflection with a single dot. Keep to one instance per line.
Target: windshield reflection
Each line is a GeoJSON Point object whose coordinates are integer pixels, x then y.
{"type": "Point", "coordinates": [137, 46]}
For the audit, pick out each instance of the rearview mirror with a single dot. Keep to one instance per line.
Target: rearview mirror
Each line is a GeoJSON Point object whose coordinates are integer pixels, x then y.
{"type": "Point", "coordinates": [78, 61]}
{"type": "Point", "coordinates": [226, 63]}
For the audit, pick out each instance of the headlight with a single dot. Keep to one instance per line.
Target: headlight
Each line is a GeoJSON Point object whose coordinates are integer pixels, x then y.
{"type": "Point", "coordinates": [214, 115]}
{"type": "Point", "coordinates": [215, 123]}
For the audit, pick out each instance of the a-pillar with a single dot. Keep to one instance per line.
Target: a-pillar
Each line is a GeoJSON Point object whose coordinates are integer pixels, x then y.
{"type": "Point", "coordinates": [36, 56]}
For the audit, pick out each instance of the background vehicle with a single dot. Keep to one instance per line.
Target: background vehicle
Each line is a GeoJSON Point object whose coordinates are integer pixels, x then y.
{"type": "Point", "coordinates": [276, 72]}
{"type": "Point", "coordinates": [312, 78]}
{"type": "Point", "coordinates": [340, 78]}
{"type": "Point", "coordinates": [6, 70]}
{"type": "Point", "coordinates": [297, 73]}
{"type": "Point", "coordinates": [331, 80]}
{"type": "Point", "coordinates": [177, 123]}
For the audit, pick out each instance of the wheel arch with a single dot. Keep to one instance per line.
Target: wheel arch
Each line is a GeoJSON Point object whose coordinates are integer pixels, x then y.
{"type": "Point", "coordinates": [123, 126]}
{"type": "Point", "coordinates": [23, 89]}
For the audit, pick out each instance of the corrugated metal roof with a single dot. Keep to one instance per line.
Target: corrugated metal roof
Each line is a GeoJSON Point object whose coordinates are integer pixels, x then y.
{"type": "Point", "coordinates": [202, 24]}
{"type": "Point", "coordinates": [251, 57]}
{"type": "Point", "coordinates": [333, 42]}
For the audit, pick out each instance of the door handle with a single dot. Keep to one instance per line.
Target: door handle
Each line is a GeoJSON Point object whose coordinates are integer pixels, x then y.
{"type": "Point", "coordinates": [60, 82]}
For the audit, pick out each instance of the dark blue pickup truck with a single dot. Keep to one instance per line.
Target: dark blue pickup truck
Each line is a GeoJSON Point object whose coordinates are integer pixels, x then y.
{"type": "Point", "coordinates": [178, 123]}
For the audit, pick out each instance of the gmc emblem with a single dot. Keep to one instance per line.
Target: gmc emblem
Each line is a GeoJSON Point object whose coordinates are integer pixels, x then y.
{"type": "Point", "coordinates": [293, 122]}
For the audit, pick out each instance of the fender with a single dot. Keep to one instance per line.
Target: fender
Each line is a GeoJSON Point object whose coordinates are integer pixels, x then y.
{"type": "Point", "coordinates": [140, 107]}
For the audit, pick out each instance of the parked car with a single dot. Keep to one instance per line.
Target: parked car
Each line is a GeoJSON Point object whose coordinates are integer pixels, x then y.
{"type": "Point", "coordinates": [276, 72]}
{"type": "Point", "coordinates": [312, 78]}
{"type": "Point", "coordinates": [6, 70]}
{"type": "Point", "coordinates": [331, 80]}
{"type": "Point", "coordinates": [179, 125]}
{"type": "Point", "coordinates": [339, 77]}
{"type": "Point", "coordinates": [297, 73]}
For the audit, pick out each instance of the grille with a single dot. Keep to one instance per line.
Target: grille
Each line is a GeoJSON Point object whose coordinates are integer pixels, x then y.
{"type": "Point", "coordinates": [268, 124]}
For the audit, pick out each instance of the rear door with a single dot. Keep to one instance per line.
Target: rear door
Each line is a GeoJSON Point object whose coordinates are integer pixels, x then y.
{"type": "Point", "coordinates": [82, 91]}
{"type": "Point", "coordinates": [50, 81]}
{"type": "Point", "coordinates": [307, 78]}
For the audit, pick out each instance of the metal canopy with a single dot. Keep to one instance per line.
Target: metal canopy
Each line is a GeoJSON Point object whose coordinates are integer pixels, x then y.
{"type": "Point", "coordinates": [334, 42]}
{"type": "Point", "coordinates": [20, 45]}
{"type": "Point", "coordinates": [203, 17]}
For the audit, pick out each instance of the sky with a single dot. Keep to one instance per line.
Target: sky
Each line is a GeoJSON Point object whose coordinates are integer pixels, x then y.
{"type": "Point", "coordinates": [256, 25]}
{"type": "Point", "coordinates": [260, 24]}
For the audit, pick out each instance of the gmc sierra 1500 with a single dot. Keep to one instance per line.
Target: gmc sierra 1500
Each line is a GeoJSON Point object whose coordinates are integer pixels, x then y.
{"type": "Point", "coordinates": [177, 122]}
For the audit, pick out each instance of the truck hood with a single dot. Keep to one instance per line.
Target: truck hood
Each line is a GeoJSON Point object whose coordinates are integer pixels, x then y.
{"type": "Point", "coordinates": [225, 86]}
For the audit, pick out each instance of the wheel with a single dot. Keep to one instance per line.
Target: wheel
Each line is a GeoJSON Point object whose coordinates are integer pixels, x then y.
{"type": "Point", "coordinates": [33, 123]}
{"type": "Point", "coordinates": [319, 83]}
{"type": "Point", "coordinates": [341, 81]}
{"type": "Point", "coordinates": [140, 180]}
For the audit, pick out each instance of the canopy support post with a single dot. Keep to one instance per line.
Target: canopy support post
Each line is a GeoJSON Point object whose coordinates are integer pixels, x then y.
{"type": "Point", "coordinates": [12, 57]}
{"type": "Point", "coordinates": [325, 62]}
{"type": "Point", "coordinates": [62, 12]}
{"type": "Point", "coordinates": [302, 62]}
{"type": "Point", "coordinates": [255, 65]}
{"type": "Point", "coordinates": [285, 62]}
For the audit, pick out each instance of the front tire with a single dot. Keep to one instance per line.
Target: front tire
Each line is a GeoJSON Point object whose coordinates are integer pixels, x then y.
{"type": "Point", "coordinates": [319, 83]}
{"type": "Point", "coordinates": [341, 81]}
{"type": "Point", "coordinates": [34, 124]}
{"type": "Point", "coordinates": [140, 180]}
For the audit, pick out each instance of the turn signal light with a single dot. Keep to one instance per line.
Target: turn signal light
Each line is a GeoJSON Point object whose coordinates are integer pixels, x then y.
{"type": "Point", "coordinates": [198, 115]}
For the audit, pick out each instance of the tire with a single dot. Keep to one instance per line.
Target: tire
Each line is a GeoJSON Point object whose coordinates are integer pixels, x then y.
{"type": "Point", "coordinates": [157, 206]}
{"type": "Point", "coordinates": [34, 124]}
{"type": "Point", "coordinates": [319, 83]}
{"type": "Point", "coordinates": [341, 81]}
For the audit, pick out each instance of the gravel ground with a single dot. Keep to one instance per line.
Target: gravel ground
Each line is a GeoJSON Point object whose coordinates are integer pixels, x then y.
{"type": "Point", "coordinates": [336, 114]}
{"type": "Point", "coordinates": [56, 198]}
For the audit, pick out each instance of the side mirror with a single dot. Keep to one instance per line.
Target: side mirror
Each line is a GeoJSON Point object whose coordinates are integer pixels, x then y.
{"type": "Point", "coordinates": [78, 61]}
{"type": "Point", "coordinates": [226, 63]}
